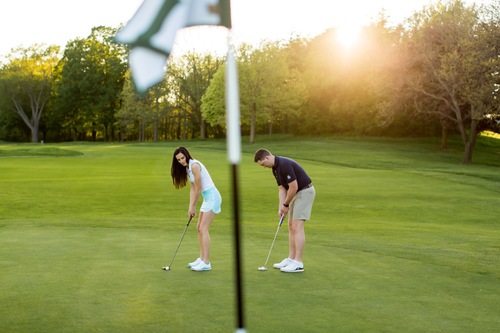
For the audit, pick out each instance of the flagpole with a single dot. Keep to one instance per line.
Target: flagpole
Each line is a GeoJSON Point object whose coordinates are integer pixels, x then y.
{"type": "Point", "coordinates": [151, 33]}
{"type": "Point", "coordinates": [234, 157]}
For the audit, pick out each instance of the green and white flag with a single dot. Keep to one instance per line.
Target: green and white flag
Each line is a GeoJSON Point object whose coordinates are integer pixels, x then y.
{"type": "Point", "coordinates": [151, 33]}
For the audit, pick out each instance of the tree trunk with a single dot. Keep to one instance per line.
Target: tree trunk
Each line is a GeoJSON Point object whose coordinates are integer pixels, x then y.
{"type": "Point", "coordinates": [444, 133]}
{"type": "Point", "coordinates": [203, 126]}
{"type": "Point", "coordinates": [34, 134]}
{"type": "Point", "coordinates": [444, 137]}
{"type": "Point", "coordinates": [252, 124]}
{"type": "Point", "coordinates": [271, 121]}
{"type": "Point", "coordinates": [36, 124]}
{"type": "Point", "coordinates": [467, 153]}
{"type": "Point", "coordinates": [184, 127]}
{"type": "Point", "coordinates": [461, 127]}
{"type": "Point", "coordinates": [469, 146]}
{"type": "Point", "coordinates": [155, 130]}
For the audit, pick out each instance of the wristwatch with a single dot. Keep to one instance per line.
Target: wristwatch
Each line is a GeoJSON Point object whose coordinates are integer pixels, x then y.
{"type": "Point", "coordinates": [286, 205]}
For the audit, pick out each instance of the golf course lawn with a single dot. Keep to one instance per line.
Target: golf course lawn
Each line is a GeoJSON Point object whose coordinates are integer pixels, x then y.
{"type": "Point", "coordinates": [403, 238]}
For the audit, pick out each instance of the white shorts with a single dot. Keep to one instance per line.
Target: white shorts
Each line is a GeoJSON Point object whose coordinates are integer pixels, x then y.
{"type": "Point", "coordinates": [212, 200]}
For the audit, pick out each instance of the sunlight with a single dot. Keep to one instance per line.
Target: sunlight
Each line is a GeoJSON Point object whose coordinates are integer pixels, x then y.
{"type": "Point", "coordinates": [490, 134]}
{"type": "Point", "coordinates": [348, 35]}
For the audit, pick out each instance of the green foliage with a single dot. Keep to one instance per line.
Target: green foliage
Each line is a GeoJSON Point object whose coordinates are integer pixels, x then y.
{"type": "Point", "coordinates": [453, 67]}
{"type": "Point", "coordinates": [213, 102]}
{"type": "Point", "coordinates": [402, 239]}
{"type": "Point", "coordinates": [26, 84]}
{"type": "Point", "coordinates": [436, 73]}
{"type": "Point", "coordinates": [192, 77]}
{"type": "Point", "coordinates": [270, 90]}
{"type": "Point", "coordinates": [90, 83]}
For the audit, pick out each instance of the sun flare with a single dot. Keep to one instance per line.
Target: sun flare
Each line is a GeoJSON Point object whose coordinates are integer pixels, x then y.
{"type": "Point", "coordinates": [348, 35]}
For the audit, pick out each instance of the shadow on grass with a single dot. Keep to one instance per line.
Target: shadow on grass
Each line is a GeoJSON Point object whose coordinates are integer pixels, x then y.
{"type": "Point", "coordinates": [37, 151]}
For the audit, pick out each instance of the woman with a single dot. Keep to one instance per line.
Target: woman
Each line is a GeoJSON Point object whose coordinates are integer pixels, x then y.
{"type": "Point", "coordinates": [184, 167]}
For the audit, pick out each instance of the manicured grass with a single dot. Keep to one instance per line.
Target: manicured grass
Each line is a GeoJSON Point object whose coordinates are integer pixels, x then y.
{"type": "Point", "coordinates": [403, 238]}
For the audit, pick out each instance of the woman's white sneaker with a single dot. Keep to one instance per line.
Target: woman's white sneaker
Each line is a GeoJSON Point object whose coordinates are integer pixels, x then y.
{"type": "Point", "coordinates": [202, 266]}
{"type": "Point", "coordinates": [194, 263]}
{"type": "Point", "coordinates": [283, 263]}
{"type": "Point", "coordinates": [293, 267]}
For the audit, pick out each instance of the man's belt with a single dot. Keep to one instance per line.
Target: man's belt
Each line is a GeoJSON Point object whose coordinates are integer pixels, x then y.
{"type": "Point", "coordinates": [307, 186]}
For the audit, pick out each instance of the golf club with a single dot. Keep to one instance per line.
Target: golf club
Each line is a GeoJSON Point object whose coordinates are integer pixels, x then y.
{"type": "Point", "coordinates": [264, 268]}
{"type": "Point", "coordinates": [167, 268]}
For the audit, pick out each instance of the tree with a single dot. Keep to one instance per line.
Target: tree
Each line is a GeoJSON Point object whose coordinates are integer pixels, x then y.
{"type": "Point", "coordinates": [283, 90]}
{"type": "Point", "coordinates": [453, 67]}
{"type": "Point", "coordinates": [26, 81]}
{"type": "Point", "coordinates": [269, 89]}
{"type": "Point", "coordinates": [12, 127]}
{"type": "Point", "coordinates": [213, 105]}
{"type": "Point", "coordinates": [322, 72]}
{"type": "Point", "coordinates": [351, 88]}
{"type": "Point", "coordinates": [92, 76]}
{"type": "Point", "coordinates": [191, 74]}
{"type": "Point", "coordinates": [139, 117]}
{"type": "Point", "coordinates": [386, 109]}
{"type": "Point", "coordinates": [214, 108]}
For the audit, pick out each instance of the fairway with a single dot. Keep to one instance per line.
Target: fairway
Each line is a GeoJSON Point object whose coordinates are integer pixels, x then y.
{"type": "Point", "coordinates": [403, 238]}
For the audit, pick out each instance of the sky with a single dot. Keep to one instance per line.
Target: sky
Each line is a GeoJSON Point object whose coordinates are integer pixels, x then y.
{"type": "Point", "coordinates": [28, 22]}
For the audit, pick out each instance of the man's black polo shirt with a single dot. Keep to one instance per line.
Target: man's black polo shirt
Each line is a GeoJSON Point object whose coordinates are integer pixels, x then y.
{"type": "Point", "coordinates": [286, 170]}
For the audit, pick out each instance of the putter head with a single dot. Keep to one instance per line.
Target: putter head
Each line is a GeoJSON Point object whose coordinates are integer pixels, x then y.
{"type": "Point", "coordinates": [166, 268]}
{"type": "Point", "coordinates": [262, 269]}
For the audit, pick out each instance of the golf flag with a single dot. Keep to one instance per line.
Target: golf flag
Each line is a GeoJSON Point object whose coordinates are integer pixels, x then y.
{"type": "Point", "coordinates": [151, 33]}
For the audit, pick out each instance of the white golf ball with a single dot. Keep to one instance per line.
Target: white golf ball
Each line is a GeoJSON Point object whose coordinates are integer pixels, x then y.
{"type": "Point", "coordinates": [166, 268]}
{"type": "Point", "coordinates": [262, 268]}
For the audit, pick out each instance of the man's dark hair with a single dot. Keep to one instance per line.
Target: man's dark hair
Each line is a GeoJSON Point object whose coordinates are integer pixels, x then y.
{"type": "Point", "coordinates": [261, 154]}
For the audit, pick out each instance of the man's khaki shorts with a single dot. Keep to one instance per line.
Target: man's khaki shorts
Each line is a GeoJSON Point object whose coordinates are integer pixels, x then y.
{"type": "Point", "coordinates": [301, 205]}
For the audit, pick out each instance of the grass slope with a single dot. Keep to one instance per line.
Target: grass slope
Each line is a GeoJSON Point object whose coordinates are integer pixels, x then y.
{"type": "Point", "coordinates": [403, 238]}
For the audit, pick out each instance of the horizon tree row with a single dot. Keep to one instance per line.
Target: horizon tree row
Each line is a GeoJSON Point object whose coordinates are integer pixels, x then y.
{"type": "Point", "coordinates": [437, 73]}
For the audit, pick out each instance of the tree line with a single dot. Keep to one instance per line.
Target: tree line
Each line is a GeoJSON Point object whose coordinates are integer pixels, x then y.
{"type": "Point", "coordinates": [437, 73]}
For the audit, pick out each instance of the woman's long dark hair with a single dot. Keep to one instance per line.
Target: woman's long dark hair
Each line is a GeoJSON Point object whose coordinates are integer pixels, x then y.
{"type": "Point", "coordinates": [178, 171]}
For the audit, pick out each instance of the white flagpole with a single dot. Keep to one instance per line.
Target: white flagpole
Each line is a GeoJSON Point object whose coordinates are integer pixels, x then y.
{"type": "Point", "coordinates": [234, 156]}
{"type": "Point", "coordinates": [232, 108]}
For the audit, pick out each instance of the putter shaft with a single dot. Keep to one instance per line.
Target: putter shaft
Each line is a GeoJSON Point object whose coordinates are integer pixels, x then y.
{"type": "Point", "coordinates": [275, 235]}
{"type": "Point", "coordinates": [178, 245]}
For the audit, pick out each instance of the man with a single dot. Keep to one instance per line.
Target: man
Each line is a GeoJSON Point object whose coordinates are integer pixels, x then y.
{"type": "Point", "coordinates": [296, 196]}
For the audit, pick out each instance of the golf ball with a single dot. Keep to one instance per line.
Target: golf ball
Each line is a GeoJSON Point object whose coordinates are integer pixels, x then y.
{"type": "Point", "coordinates": [166, 268]}
{"type": "Point", "coordinates": [262, 268]}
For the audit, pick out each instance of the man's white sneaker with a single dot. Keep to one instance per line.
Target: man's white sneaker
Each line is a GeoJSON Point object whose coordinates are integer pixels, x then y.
{"type": "Point", "coordinates": [194, 263]}
{"type": "Point", "coordinates": [293, 267]}
{"type": "Point", "coordinates": [283, 263]}
{"type": "Point", "coordinates": [202, 266]}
